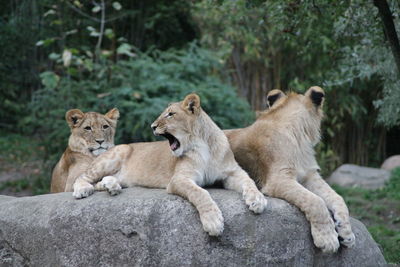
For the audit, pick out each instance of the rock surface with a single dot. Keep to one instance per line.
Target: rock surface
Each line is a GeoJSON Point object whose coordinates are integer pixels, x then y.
{"type": "Point", "coordinates": [148, 227]}
{"type": "Point", "coordinates": [391, 163]}
{"type": "Point", "coordinates": [350, 175]}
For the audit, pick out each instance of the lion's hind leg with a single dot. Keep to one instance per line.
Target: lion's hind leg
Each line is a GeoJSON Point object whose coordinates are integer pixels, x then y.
{"type": "Point", "coordinates": [110, 184]}
{"type": "Point", "coordinates": [322, 227]}
{"type": "Point", "coordinates": [240, 181]}
{"type": "Point", "coordinates": [335, 204]}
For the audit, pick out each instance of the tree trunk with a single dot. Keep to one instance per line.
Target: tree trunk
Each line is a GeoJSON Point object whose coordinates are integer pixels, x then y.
{"type": "Point", "coordinates": [390, 29]}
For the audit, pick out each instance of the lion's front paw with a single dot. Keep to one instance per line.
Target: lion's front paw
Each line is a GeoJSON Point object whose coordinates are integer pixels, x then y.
{"type": "Point", "coordinates": [347, 240]}
{"type": "Point", "coordinates": [109, 183]}
{"type": "Point", "coordinates": [325, 237]}
{"type": "Point", "coordinates": [346, 236]}
{"type": "Point", "coordinates": [213, 222]}
{"type": "Point", "coordinates": [255, 200]}
{"type": "Point", "coordinates": [82, 189]}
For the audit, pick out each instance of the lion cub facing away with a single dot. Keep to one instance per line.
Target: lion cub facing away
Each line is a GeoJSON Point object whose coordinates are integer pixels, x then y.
{"type": "Point", "coordinates": [201, 156]}
{"type": "Point", "coordinates": [277, 150]}
{"type": "Point", "coordinates": [91, 134]}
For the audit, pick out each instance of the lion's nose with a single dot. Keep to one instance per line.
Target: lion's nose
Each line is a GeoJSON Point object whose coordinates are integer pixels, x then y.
{"type": "Point", "coordinates": [99, 141]}
{"type": "Point", "coordinates": [154, 126]}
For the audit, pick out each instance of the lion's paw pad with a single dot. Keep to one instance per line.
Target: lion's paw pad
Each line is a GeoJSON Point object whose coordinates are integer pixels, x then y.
{"type": "Point", "coordinates": [213, 222]}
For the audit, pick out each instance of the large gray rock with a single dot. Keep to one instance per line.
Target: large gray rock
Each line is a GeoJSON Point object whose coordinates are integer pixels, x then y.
{"type": "Point", "coordinates": [391, 163]}
{"type": "Point", "coordinates": [349, 175]}
{"type": "Point", "coordinates": [148, 227]}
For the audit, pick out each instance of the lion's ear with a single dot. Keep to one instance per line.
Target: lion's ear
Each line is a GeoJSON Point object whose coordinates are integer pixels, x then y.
{"type": "Point", "coordinates": [316, 95]}
{"type": "Point", "coordinates": [273, 96]}
{"type": "Point", "coordinates": [74, 117]}
{"type": "Point", "coordinates": [191, 103]}
{"type": "Point", "coordinates": [112, 114]}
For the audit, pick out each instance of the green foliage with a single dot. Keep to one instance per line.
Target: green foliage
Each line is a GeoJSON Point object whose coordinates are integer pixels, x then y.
{"type": "Point", "coordinates": [17, 185]}
{"type": "Point", "coordinates": [35, 184]}
{"type": "Point", "coordinates": [22, 156]}
{"type": "Point", "coordinates": [326, 158]}
{"type": "Point", "coordinates": [34, 34]}
{"type": "Point", "coordinates": [389, 240]}
{"type": "Point", "coordinates": [391, 189]}
{"type": "Point", "coordinates": [247, 24]}
{"type": "Point", "coordinates": [294, 45]}
{"type": "Point", "coordinates": [140, 87]}
{"type": "Point", "coordinates": [16, 148]}
{"type": "Point", "coordinates": [16, 55]}
{"type": "Point", "coordinates": [293, 38]}
{"type": "Point", "coordinates": [367, 57]}
{"type": "Point", "coordinates": [380, 211]}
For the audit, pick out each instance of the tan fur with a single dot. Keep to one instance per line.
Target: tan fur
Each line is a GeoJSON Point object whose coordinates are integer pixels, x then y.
{"type": "Point", "coordinates": [83, 145]}
{"type": "Point", "coordinates": [204, 157]}
{"type": "Point", "coordinates": [277, 150]}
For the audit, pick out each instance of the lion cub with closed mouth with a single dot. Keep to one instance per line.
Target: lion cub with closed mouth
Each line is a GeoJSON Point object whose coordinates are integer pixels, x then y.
{"type": "Point", "coordinates": [92, 134]}
{"type": "Point", "coordinates": [201, 155]}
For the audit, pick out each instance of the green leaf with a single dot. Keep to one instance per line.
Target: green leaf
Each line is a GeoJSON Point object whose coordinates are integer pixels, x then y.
{"type": "Point", "coordinates": [109, 33]}
{"type": "Point", "coordinates": [96, 9]}
{"type": "Point", "coordinates": [116, 5]}
{"type": "Point", "coordinates": [95, 34]}
{"type": "Point", "coordinates": [90, 28]}
{"type": "Point", "coordinates": [78, 3]}
{"type": "Point", "coordinates": [88, 64]}
{"type": "Point", "coordinates": [49, 79]}
{"type": "Point", "coordinates": [48, 41]}
{"type": "Point", "coordinates": [49, 12]}
{"type": "Point", "coordinates": [56, 22]}
{"type": "Point", "coordinates": [54, 56]}
{"type": "Point", "coordinates": [125, 49]}
{"type": "Point", "coordinates": [71, 32]}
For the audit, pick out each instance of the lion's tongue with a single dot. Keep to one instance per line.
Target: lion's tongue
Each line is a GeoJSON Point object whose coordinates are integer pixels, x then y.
{"type": "Point", "coordinates": [174, 145]}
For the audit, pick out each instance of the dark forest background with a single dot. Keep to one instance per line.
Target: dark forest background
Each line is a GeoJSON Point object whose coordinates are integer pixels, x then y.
{"type": "Point", "coordinates": [138, 55]}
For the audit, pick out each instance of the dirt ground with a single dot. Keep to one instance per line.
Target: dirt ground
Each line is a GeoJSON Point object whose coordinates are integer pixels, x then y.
{"type": "Point", "coordinates": [14, 181]}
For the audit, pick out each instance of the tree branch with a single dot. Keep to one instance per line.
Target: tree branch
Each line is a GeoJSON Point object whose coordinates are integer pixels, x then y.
{"type": "Point", "coordinates": [116, 17]}
{"type": "Point", "coordinates": [390, 30]}
{"type": "Point", "coordinates": [102, 22]}
{"type": "Point", "coordinates": [82, 13]}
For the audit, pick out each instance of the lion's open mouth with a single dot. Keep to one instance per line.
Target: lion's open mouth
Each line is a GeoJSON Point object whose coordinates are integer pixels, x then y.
{"type": "Point", "coordinates": [173, 142]}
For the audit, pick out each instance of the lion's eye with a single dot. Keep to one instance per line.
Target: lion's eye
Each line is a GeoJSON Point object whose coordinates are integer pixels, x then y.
{"type": "Point", "coordinates": [105, 126]}
{"type": "Point", "coordinates": [170, 114]}
{"type": "Point", "coordinates": [88, 128]}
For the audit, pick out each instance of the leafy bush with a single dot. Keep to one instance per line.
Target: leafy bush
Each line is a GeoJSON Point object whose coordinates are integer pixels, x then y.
{"type": "Point", "coordinates": [379, 210]}
{"type": "Point", "coordinates": [140, 87]}
{"type": "Point", "coordinates": [21, 157]}
{"type": "Point", "coordinates": [33, 32]}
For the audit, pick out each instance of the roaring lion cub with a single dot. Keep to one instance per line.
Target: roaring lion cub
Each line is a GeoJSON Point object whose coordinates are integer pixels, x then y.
{"type": "Point", "coordinates": [200, 156]}
{"type": "Point", "coordinates": [91, 134]}
{"type": "Point", "coordinates": [278, 153]}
